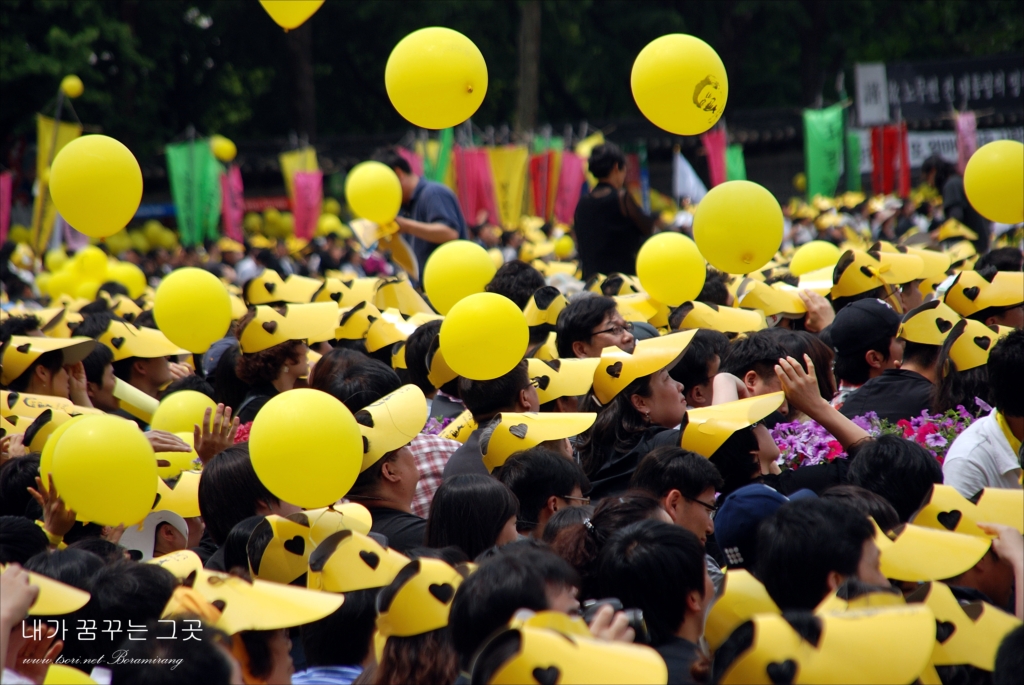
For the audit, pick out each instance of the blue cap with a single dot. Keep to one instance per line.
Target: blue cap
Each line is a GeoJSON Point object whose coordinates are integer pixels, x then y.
{"type": "Point", "coordinates": [737, 521]}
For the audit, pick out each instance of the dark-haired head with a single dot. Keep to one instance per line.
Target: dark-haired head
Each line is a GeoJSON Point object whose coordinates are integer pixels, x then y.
{"type": "Point", "coordinates": [866, 502]}
{"type": "Point", "coordinates": [684, 483]}
{"type": "Point", "coordinates": [416, 348]}
{"type": "Point", "coordinates": [16, 476]}
{"type": "Point", "coordinates": [358, 384]}
{"type": "Point", "coordinates": [230, 491]}
{"type": "Point", "coordinates": [565, 518]}
{"type": "Point", "coordinates": [74, 567]}
{"type": "Point", "coordinates": [1006, 374]}
{"type": "Point", "coordinates": [512, 392]}
{"type": "Point", "coordinates": [699, 364]}
{"type": "Point", "coordinates": [342, 638]}
{"type": "Point", "coordinates": [20, 540]}
{"type": "Point", "coordinates": [752, 359]}
{"type": "Point", "coordinates": [577, 322]}
{"type": "Point", "coordinates": [472, 512]}
{"type": "Point", "coordinates": [897, 469]}
{"type": "Point", "coordinates": [544, 482]}
{"type": "Point", "coordinates": [517, 281]}
{"type": "Point", "coordinates": [204, 658]}
{"type": "Point", "coordinates": [235, 546]}
{"type": "Point", "coordinates": [604, 159]}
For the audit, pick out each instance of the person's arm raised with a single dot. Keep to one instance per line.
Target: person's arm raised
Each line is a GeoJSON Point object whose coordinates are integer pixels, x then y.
{"type": "Point", "coordinates": [802, 393]}
{"type": "Point", "coordinates": [435, 232]}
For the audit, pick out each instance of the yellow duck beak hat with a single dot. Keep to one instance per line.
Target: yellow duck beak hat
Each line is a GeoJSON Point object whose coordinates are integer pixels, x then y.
{"type": "Point", "coordinates": [953, 229]}
{"type": "Point", "coordinates": [973, 291]}
{"type": "Point", "coordinates": [973, 343]}
{"type": "Point", "coordinates": [561, 377]}
{"type": "Point", "coordinates": [387, 329]}
{"type": "Point", "coordinates": [918, 554]}
{"type": "Point", "coordinates": [690, 315]}
{"type": "Point", "coordinates": [618, 369]}
{"type": "Point", "coordinates": [965, 634]}
{"type": "Point", "coordinates": [438, 371]}
{"type": "Point", "coordinates": [934, 264]}
{"type": "Point", "coordinates": [528, 654]}
{"type": "Point", "coordinates": [708, 428]}
{"type": "Point", "coordinates": [772, 299]}
{"type": "Point", "coordinates": [928, 324]}
{"type": "Point", "coordinates": [180, 495]}
{"type": "Point", "coordinates": [353, 323]}
{"type": "Point", "coordinates": [22, 350]}
{"type": "Point", "coordinates": [549, 350]}
{"type": "Point", "coordinates": [996, 505]}
{"type": "Point", "coordinates": [962, 255]}
{"type": "Point", "coordinates": [43, 426]}
{"type": "Point", "coordinates": [897, 267]}
{"type": "Point", "coordinates": [54, 598]}
{"type": "Point", "coordinates": [337, 291]}
{"type": "Point", "coordinates": [326, 521]}
{"type": "Point", "coordinates": [899, 640]}
{"type": "Point", "coordinates": [268, 288]}
{"type": "Point", "coordinates": [279, 549]}
{"type": "Point", "coordinates": [635, 307]}
{"type": "Point", "coordinates": [744, 597]}
{"type": "Point", "coordinates": [511, 433]}
{"type": "Point", "coordinates": [418, 600]}
{"type": "Point", "coordinates": [348, 562]}
{"type": "Point", "coordinates": [856, 272]}
{"type": "Point", "coordinates": [948, 510]}
{"type": "Point", "coordinates": [182, 563]}
{"type": "Point", "coordinates": [125, 340]}
{"type": "Point", "coordinates": [275, 325]}
{"type": "Point", "coordinates": [390, 423]}
{"type": "Point", "coordinates": [398, 293]}
{"type": "Point", "coordinates": [544, 307]}
{"type": "Point", "coordinates": [460, 427]}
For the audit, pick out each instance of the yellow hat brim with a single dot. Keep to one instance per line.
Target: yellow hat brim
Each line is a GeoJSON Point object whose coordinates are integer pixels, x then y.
{"type": "Point", "coordinates": [517, 432]}
{"type": "Point", "coordinates": [708, 428]}
{"type": "Point", "coordinates": [618, 369]}
{"type": "Point", "coordinates": [572, 378]}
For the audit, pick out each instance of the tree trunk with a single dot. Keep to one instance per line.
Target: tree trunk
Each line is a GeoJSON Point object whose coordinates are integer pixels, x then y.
{"type": "Point", "coordinates": [529, 63]}
{"type": "Point", "coordinates": [300, 69]}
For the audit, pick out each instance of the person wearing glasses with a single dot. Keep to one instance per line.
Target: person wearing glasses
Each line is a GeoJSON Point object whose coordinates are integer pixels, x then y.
{"type": "Point", "coordinates": [589, 324]}
{"type": "Point", "coordinates": [544, 482]}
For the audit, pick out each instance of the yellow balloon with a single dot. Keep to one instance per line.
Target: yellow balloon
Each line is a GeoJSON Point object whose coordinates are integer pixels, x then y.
{"type": "Point", "coordinates": [497, 257]}
{"type": "Point", "coordinates": [484, 336]}
{"type": "Point", "coordinates": [119, 242]}
{"type": "Point", "coordinates": [105, 469]}
{"type": "Point", "coordinates": [168, 239]}
{"type": "Point", "coordinates": [456, 270]}
{"type": "Point", "coordinates": [181, 411]}
{"type": "Point", "coordinates": [994, 181]}
{"type": "Point", "coordinates": [177, 461]}
{"type": "Point", "coordinates": [19, 234]}
{"type": "Point", "coordinates": [96, 184]}
{"type": "Point", "coordinates": [253, 222]}
{"type": "Point", "coordinates": [62, 283]}
{"type": "Point", "coordinates": [564, 247]}
{"type": "Point", "coordinates": [670, 268]}
{"type": "Point", "coordinates": [55, 259]}
{"type": "Point", "coordinates": [192, 308]}
{"type": "Point", "coordinates": [43, 281]}
{"type": "Point", "coordinates": [680, 84]}
{"type": "Point", "coordinates": [373, 192]}
{"type": "Point", "coordinates": [738, 227]}
{"type": "Point", "coordinates": [92, 263]}
{"type": "Point", "coordinates": [328, 223]}
{"type": "Point", "coordinates": [140, 243]}
{"type": "Point", "coordinates": [436, 77]}
{"type": "Point", "coordinates": [291, 14]}
{"type": "Point", "coordinates": [130, 276]}
{"type": "Point", "coordinates": [59, 674]}
{"type": "Point", "coordinates": [87, 290]}
{"type": "Point", "coordinates": [812, 256]}
{"type": "Point", "coordinates": [72, 86]}
{"type": "Point", "coordinates": [312, 467]}
{"type": "Point", "coordinates": [800, 182]}
{"type": "Point", "coordinates": [332, 206]}
{"type": "Point", "coordinates": [152, 230]}
{"type": "Point", "coordinates": [223, 148]}
{"type": "Point", "coordinates": [46, 456]}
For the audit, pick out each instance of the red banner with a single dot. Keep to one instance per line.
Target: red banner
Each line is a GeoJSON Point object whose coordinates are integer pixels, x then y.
{"type": "Point", "coordinates": [715, 143]}
{"type": "Point", "coordinates": [540, 173]}
{"type": "Point", "coordinates": [232, 205]}
{"type": "Point", "coordinates": [309, 198]}
{"type": "Point", "coordinates": [260, 204]}
{"type": "Point", "coordinates": [570, 186]}
{"type": "Point", "coordinates": [475, 183]}
{"type": "Point", "coordinates": [890, 160]}
{"type": "Point", "coordinates": [6, 194]}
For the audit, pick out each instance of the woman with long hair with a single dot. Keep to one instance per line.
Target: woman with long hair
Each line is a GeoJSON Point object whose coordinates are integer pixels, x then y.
{"type": "Point", "coordinates": [474, 513]}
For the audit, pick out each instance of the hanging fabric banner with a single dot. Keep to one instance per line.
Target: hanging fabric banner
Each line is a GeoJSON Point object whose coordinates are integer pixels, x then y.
{"type": "Point", "coordinates": [735, 165]}
{"type": "Point", "coordinates": [232, 202]}
{"type": "Point", "coordinates": [6, 196]}
{"type": "Point", "coordinates": [309, 199]}
{"type": "Point", "coordinates": [437, 156]}
{"type": "Point", "coordinates": [686, 184]}
{"type": "Point", "coordinates": [714, 143]}
{"type": "Point", "coordinates": [570, 186]}
{"type": "Point", "coordinates": [890, 160]}
{"type": "Point", "coordinates": [508, 167]}
{"type": "Point", "coordinates": [852, 159]}
{"type": "Point", "coordinates": [303, 159]}
{"type": "Point", "coordinates": [823, 149]}
{"type": "Point", "coordinates": [966, 139]}
{"type": "Point", "coordinates": [475, 188]}
{"type": "Point", "coordinates": [554, 171]}
{"type": "Point", "coordinates": [414, 160]}
{"type": "Point", "coordinates": [540, 174]}
{"type": "Point", "coordinates": [195, 174]}
{"type": "Point", "coordinates": [43, 210]}
{"type": "Point", "coordinates": [904, 159]}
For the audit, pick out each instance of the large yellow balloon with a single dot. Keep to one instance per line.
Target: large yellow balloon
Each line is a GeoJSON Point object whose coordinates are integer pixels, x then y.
{"type": "Point", "coordinates": [105, 469]}
{"type": "Point", "coordinates": [680, 84]}
{"type": "Point", "coordinates": [72, 86]}
{"type": "Point", "coordinates": [670, 268]}
{"type": "Point", "coordinates": [96, 184]}
{"type": "Point", "coordinates": [456, 270]}
{"type": "Point", "coordinates": [223, 149]}
{"type": "Point", "coordinates": [46, 456]}
{"type": "Point", "coordinates": [436, 77]}
{"type": "Point", "coordinates": [374, 192]}
{"type": "Point", "coordinates": [152, 230]}
{"type": "Point", "coordinates": [55, 259]}
{"type": "Point", "coordinates": [62, 282]}
{"type": "Point", "coordinates": [130, 276]}
{"type": "Point", "coordinates": [192, 308]}
{"type": "Point", "coordinates": [177, 461]}
{"type": "Point", "coordinates": [328, 223]}
{"type": "Point", "coordinates": [484, 336]}
{"type": "Point", "coordinates": [92, 263]}
{"type": "Point", "coordinates": [812, 256]}
{"type": "Point", "coordinates": [181, 411]}
{"type": "Point", "coordinates": [994, 181]}
{"type": "Point", "coordinates": [738, 227]}
{"type": "Point", "coordinates": [86, 290]}
{"type": "Point", "coordinates": [291, 14]}
{"type": "Point", "coordinates": [312, 466]}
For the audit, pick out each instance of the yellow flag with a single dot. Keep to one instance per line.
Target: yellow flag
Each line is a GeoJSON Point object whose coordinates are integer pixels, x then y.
{"type": "Point", "coordinates": [44, 213]}
{"type": "Point", "coordinates": [508, 168]}
{"type": "Point", "coordinates": [303, 159]}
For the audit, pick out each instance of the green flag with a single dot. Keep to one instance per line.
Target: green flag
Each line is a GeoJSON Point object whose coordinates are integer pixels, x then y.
{"type": "Point", "coordinates": [195, 186]}
{"type": "Point", "coordinates": [735, 166]}
{"type": "Point", "coordinates": [823, 148]}
{"type": "Point", "coordinates": [853, 162]}
{"type": "Point", "coordinates": [435, 169]}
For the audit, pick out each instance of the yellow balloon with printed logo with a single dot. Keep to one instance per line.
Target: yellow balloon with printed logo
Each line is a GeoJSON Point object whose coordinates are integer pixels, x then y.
{"type": "Point", "coordinates": [670, 268]}
{"type": "Point", "coordinates": [994, 181]}
{"type": "Point", "coordinates": [436, 77]}
{"type": "Point", "coordinates": [181, 411]}
{"type": "Point", "coordinates": [456, 270]}
{"type": "Point", "coordinates": [373, 192]}
{"type": "Point", "coordinates": [812, 256]}
{"type": "Point", "coordinates": [291, 14]}
{"type": "Point", "coordinates": [738, 227]}
{"type": "Point", "coordinates": [484, 336]}
{"type": "Point", "coordinates": [192, 308]}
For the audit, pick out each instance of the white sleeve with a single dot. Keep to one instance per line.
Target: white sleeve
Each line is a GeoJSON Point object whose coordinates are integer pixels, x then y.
{"type": "Point", "coordinates": [965, 474]}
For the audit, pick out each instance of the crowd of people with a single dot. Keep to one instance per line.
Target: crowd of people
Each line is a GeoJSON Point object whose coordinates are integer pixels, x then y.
{"type": "Point", "coordinates": [613, 509]}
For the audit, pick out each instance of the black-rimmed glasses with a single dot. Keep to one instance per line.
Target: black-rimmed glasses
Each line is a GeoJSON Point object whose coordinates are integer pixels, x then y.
{"type": "Point", "coordinates": [617, 329]}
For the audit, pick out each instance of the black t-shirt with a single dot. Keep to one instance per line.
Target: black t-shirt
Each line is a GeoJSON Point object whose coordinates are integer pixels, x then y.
{"type": "Point", "coordinates": [896, 394]}
{"type": "Point", "coordinates": [678, 655]}
{"type": "Point", "coordinates": [466, 459]}
{"type": "Point", "coordinates": [610, 229]}
{"type": "Point", "coordinates": [617, 469]}
{"type": "Point", "coordinates": [404, 531]}
{"type": "Point", "coordinates": [254, 401]}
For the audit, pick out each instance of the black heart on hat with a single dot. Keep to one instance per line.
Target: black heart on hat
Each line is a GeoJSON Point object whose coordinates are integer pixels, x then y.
{"type": "Point", "coordinates": [162, 463]}
{"type": "Point", "coordinates": [156, 501]}
{"type": "Point", "coordinates": [972, 293]}
{"type": "Point", "coordinates": [870, 274]}
{"type": "Point", "coordinates": [24, 348]}
{"type": "Point", "coordinates": [519, 430]}
{"type": "Point", "coordinates": [220, 604]}
{"type": "Point", "coordinates": [983, 342]}
{"type": "Point", "coordinates": [943, 325]}
{"type": "Point", "coordinates": [12, 399]}
{"type": "Point", "coordinates": [270, 287]}
{"type": "Point", "coordinates": [442, 592]}
{"type": "Point", "coordinates": [297, 545]}
{"type": "Point", "coordinates": [781, 672]}
{"type": "Point", "coordinates": [336, 297]}
{"type": "Point", "coordinates": [542, 382]}
{"type": "Point", "coordinates": [614, 370]}
{"type": "Point", "coordinates": [944, 630]}
{"type": "Point", "coordinates": [270, 326]}
{"type": "Point", "coordinates": [117, 342]}
{"type": "Point", "coordinates": [546, 676]}
{"type": "Point", "coordinates": [371, 559]}
{"type": "Point", "coordinates": [949, 519]}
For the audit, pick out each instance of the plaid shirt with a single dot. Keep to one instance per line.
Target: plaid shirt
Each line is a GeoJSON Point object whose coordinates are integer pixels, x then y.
{"type": "Point", "coordinates": [431, 453]}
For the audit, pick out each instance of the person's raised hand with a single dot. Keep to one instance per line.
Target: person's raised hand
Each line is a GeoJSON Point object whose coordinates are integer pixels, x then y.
{"type": "Point", "coordinates": [178, 371]}
{"type": "Point", "coordinates": [78, 391]}
{"type": "Point", "coordinates": [162, 441]}
{"type": "Point", "coordinates": [819, 311]}
{"type": "Point", "coordinates": [216, 434]}
{"type": "Point", "coordinates": [35, 655]}
{"type": "Point", "coordinates": [12, 446]}
{"type": "Point", "coordinates": [1008, 543]}
{"type": "Point", "coordinates": [57, 518]}
{"type": "Point", "coordinates": [801, 386]}
{"type": "Point", "coordinates": [18, 596]}
{"type": "Point", "coordinates": [113, 533]}
{"type": "Point", "coordinates": [611, 626]}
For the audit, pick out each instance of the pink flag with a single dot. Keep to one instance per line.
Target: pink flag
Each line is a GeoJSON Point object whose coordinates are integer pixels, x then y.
{"type": "Point", "coordinates": [714, 143]}
{"type": "Point", "coordinates": [415, 161]}
{"type": "Point", "coordinates": [966, 139]}
{"type": "Point", "coordinates": [475, 183]}
{"type": "Point", "coordinates": [570, 185]}
{"type": "Point", "coordinates": [232, 202]}
{"type": "Point", "coordinates": [309, 198]}
{"type": "Point", "coordinates": [6, 195]}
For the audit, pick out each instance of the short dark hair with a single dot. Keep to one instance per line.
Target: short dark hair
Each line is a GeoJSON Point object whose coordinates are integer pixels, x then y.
{"type": "Point", "coordinates": [112, 288]}
{"type": "Point", "coordinates": [96, 363]}
{"type": "Point", "coordinates": [230, 491]}
{"type": "Point", "coordinates": [236, 544]}
{"type": "Point", "coordinates": [360, 384]}
{"type": "Point", "coordinates": [898, 469]}
{"type": "Point", "coordinates": [853, 368]}
{"type": "Point", "coordinates": [416, 349]}
{"type": "Point", "coordinates": [201, 661]}
{"type": "Point", "coordinates": [758, 352]}
{"type": "Point", "coordinates": [1009, 658]}
{"type": "Point", "coordinates": [734, 459]}
{"type": "Point", "coordinates": [577, 321]}
{"type": "Point", "coordinates": [106, 550]}
{"type": "Point", "coordinates": [16, 476]}
{"type": "Point", "coordinates": [604, 158]}
{"type": "Point", "coordinates": [668, 468]}
{"type": "Point", "coordinates": [1002, 258]}
{"type": "Point", "coordinates": [484, 399]}
{"type": "Point", "coordinates": [18, 325]}
{"type": "Point", "coordinates": [517, 281]}
{"type": "Point", "coordinates": [714, 290]}
{"type": "Point", "coordinates": [1006, 374]}
{"type": "Point", "coordinates": [192, 382]}
{"type": "Point", "coordinates": [866, 502]}
{"type": "Point", "coordinates": [535, 475]}
{"type": "Point", "coordinates": [71, 566]}
{"type": "Point", "coordinates": [921, 354]}
{"type": "Point", "coordinates": [389, 157]}
{"type": "Point", "coordinates": [799, 343]}
{"type": "Point", "coordinates": [469, 511]}
{"type": "Point", "coordinates": [20, 539]}
{"type": "Point", "coordinates": [343, 637]}
{"type": "Point", "coordinates": [692, 369]}
{"type": "Point", "coordinates": [653, 566]}
{"type": "Point", "coordinates": [802, 542]}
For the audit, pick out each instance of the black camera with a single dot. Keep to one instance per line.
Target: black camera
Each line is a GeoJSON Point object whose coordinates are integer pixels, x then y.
{"type": "Point", "coordinates": [590, 608]}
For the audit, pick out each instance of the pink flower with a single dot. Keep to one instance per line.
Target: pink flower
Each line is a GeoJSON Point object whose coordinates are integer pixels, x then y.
{"type": "Point", "coordinates": [242, 434]}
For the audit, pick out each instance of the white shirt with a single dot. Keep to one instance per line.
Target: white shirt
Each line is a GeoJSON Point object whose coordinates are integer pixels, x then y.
{"type": "Point", "coordinates": [981, 457]}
